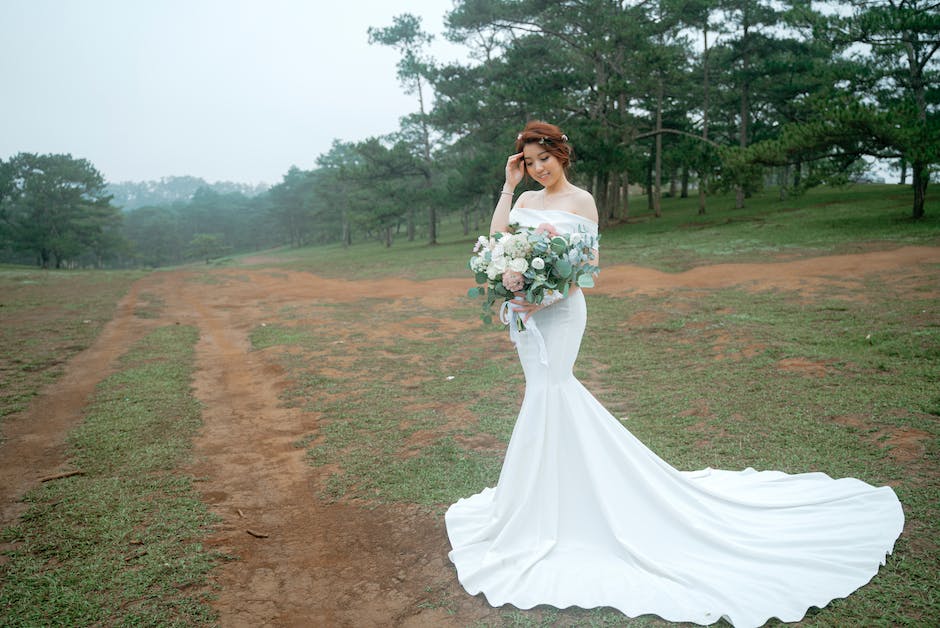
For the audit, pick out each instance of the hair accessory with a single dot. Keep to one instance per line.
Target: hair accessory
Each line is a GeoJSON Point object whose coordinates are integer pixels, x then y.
{"type": "Point", "coordinates": [545, 139]}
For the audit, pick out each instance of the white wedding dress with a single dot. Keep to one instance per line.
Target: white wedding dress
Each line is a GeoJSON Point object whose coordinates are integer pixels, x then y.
{"type": "Point", "coordinates": [585, 515]}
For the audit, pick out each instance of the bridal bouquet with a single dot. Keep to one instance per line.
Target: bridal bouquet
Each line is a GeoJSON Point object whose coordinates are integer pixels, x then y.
{"type": "Point", "coordinates": [533, 262]}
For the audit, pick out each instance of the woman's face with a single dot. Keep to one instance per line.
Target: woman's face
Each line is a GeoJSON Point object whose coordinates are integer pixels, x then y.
{"type": "Point", "coordinates": [542, 165]}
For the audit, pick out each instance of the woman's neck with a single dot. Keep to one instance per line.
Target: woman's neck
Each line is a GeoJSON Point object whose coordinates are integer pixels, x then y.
{"type": "Point", "coordinates": [562, 186]}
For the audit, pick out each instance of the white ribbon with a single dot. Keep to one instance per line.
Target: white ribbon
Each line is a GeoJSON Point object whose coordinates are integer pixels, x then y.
{"type": "Point", "coordinates": [509, 316]}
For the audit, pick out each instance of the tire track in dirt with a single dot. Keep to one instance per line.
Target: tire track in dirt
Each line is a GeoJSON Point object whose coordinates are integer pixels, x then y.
{"type": "Point", "coordinates": [321, 564]}
{"type": "Point", "coordinates": [34, 444]}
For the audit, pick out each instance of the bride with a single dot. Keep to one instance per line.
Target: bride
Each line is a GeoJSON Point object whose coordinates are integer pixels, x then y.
{"type": "Point", "coordinates": [586, 515]}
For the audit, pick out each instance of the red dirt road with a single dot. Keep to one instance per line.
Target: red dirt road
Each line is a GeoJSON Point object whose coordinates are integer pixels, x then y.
{"type": "Point", "coordinates": [325, 564]}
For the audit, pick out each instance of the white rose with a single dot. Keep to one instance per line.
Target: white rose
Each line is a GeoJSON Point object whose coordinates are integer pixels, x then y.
{"type": "Point", "coordinates": [519, 265]}
{"type": "Point", "coordinates": [516, 245]}
{"type": "Point", "coordinates": [538, 263]}
{"type": "Point", "coordinates": [576, 238]}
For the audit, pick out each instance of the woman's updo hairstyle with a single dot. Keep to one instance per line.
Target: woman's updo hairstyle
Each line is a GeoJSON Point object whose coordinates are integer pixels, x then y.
{"type": "Point", "coordinates": [549, 136]}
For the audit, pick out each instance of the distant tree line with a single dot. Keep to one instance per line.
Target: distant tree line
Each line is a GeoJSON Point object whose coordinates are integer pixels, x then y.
{"type": "Point", "coordinates": [56, 211]}
{"type": "Point", "coordinates": [130, 195]}
{"type": "Point", "coordinates": [673, 96]}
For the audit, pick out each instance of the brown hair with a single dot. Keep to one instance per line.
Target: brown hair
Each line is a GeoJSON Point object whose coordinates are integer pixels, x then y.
{"type": "Point", "coordinates": [549, 136]}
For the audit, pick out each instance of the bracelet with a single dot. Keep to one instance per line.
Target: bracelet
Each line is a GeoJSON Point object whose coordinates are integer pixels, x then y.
{"type": "Point", "coordinates": [505, 192]}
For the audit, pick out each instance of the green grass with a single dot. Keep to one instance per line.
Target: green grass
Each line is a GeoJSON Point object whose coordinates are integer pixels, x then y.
{"type": "Point", "coordinates": [724, 378]}
{"type": "Point", "coordinates": [421, 414]}
{"type": "Point", "coordinates": [390, 404]}
{"type": "Point", "coordinates": [824, 221]}
{"type": "Point", "coordinates": [821, 222]}
{"type": "Point", "coordinates": [46, 317]}
{"type": "Point", "coordinates": [120, 544]}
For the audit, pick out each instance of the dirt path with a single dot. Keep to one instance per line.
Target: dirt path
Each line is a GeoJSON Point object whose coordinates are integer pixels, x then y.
{"type": "Point", "coordinates": [325, 564]}
{"type": "Point", "coordinates": [34, 438]}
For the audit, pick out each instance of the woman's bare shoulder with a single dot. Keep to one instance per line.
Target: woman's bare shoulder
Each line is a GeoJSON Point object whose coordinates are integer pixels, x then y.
{"type": "Point", "coordinates": [583, 204]}
{"type": "Point", "coordinates": [524, 199]}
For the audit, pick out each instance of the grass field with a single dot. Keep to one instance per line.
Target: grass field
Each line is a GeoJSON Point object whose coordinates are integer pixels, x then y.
{"type": "Point", "coordinates": [843, 381]}
{"type": "Point", "coordinates": [46, 317]}
{"type": "Point", "coordinates": [119, 544]}
{"type": "Point", "coordinates": [727, 379]}
{"type": "Point", "coordinates": [821, 222]}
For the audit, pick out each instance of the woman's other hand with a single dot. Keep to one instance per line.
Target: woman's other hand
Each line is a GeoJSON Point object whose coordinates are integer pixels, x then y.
{"type": "Point", "coordinates": [523, 307]}
{"type": "Point", "coordinates": [548, 228]}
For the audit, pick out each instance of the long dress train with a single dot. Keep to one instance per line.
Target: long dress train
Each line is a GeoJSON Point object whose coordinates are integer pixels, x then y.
{"type": "Point", "coordinates": [585, 515]}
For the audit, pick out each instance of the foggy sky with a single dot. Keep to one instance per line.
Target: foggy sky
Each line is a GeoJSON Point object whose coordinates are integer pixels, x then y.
{"type": "Point", "coordinates": [232, 90]}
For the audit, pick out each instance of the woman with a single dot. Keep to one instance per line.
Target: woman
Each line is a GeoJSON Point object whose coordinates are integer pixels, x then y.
{"type": "Point", "coordinates": [585, 515]}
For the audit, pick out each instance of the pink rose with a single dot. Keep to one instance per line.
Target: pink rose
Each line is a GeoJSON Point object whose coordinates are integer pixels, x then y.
{"type": "Point", "coordinates": [513, 281]}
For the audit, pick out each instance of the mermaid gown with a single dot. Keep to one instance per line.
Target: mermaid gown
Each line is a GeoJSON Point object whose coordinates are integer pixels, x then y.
{"type": "Point", "coordinates": [586, 515]}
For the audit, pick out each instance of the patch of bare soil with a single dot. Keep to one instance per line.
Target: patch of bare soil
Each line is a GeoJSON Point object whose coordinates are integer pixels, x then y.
{"type": "Point", "coordinates": [812, 275]}
{"type": "Point", "coordinates": [306, 562]}
{"type": "Point", "coordinates": [803, 366]}
{"type": "Point", "coordinates": [906, 445]}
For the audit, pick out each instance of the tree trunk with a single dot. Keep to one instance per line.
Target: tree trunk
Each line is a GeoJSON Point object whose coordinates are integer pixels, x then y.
{"type": "Point", "coordinates": [426, 138]}
{"type": "Point", "coordinates": [625, 139]}
{"type": "Point", "coordinates": [625, 191]}
{"type": "Point", "coordinates": [600, 194]}
{"type": "Point", "coordinates": [657, 169]}
{"type": "Point", "coordinates": [432, 224]}
{"type": "Point", "coordinates": [411, 225]}
{"type": "Point", "coordinates": [593, 191]}
{"type": "Point", "coordinates": [613, 196]}
{"type": "Point", "coordinates": [745, 100]}
{"type": "Point", "coordinates": [702, 183]}
{"type": "Point", "coordinates": [903, 180]}
{"type": "Point", "coordinates": [920, 176]}
{"type": "Point", "coordinates": [702, 176]}
{"type": "Point", "coordinates": [684, 193]}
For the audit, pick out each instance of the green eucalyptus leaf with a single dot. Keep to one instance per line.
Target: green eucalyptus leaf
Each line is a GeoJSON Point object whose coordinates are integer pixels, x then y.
{"type": "Point", "coordinates": [586, 281]}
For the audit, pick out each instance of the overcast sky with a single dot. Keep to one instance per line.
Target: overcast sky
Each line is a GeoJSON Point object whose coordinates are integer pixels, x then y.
{"type": "Point", "coordinates": [235, 90]}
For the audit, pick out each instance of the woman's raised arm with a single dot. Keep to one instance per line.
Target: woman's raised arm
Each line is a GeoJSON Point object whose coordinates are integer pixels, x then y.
{"type": "Point", "coordinates": [515, 168]}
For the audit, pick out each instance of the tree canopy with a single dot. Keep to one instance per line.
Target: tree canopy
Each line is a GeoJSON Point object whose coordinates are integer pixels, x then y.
{"type": "Point", "coordinates": [55, 208]}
